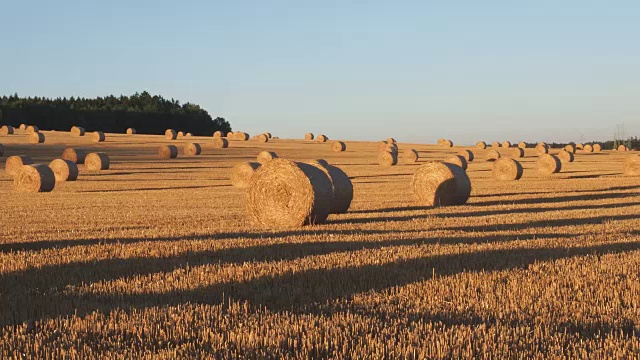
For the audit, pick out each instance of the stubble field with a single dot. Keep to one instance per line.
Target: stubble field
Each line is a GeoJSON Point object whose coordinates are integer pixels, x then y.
{"type": "Point", "coordinates": [154, 258]}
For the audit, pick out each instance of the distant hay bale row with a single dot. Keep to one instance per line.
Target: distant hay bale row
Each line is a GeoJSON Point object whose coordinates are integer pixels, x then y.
{"type": "Point", "coordinates": [131, 131]}
{"type": "Point", "coordinates": [631, 166]}
{"type": "Point", "coordinates": [339, 146]}
{"type": "Point", "coordinates": [6, 130]}
{"type": "Point", "coordinates": [548, 164]}
{"type": "Point", "coordinates": [441, 184]}
{"type": "Point", "coordinates": [261, 138]}
{"type": "Point", "coordinates": [579, 146]}
{"type": "Point", "coordinates": [458, 160]}
{"type": "Point", "coordinates": [36, 138]}
{"type": "Point", "coordinates": [34, 178]}
{"type": "Point", "coordinates": [266, 156]}
{"type": "Point", "coordinates": [77, 156]}
{"type": "Point", "coordinates": [77, 131]}
{"type": "Point", "coordinates": [168, 152]}
{"type": "Point", "coordinates": [284, 193]}
{"type": "Point", "coordinates": [23, 127]}
{"type": "Point", "coordinates": [32, 129]}
{"type": "Point", "coordinates": [238, 136]}
{"type": "Point", "coordinates": [505, 169]}
{"type": "Point", "coordinates": [64, 170]}
{"type": "Point", "coordinates": [597, 147]}
{"type": "Point", "coordinates": [492, 155]}
{"type": "Point", "coordinates": [588, 148]}
{"type": "Point", "coordinates": [192, 149]}
{"type": "Point", "coordinates": [220, 143]}
{"type": "Point", "coordinates": [14, 163]}
{"type": "Point", "coordinates": [97, 161]}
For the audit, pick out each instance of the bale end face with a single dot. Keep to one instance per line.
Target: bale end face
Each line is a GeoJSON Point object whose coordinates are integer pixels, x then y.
{"type": "Point", "coordinates": [32, 129]}
{"type": "Point", "coordinates": [34, 178]}
{"type": "Point", "coordinates": [75, 155]}
{"type": "Point", "coordinates": [131, 131]}
{"type": "Point", "coordinates": [342, 188]}
{"type": "Point", "coordinates": [517, 152]}
{"type": "Point", "coordinates": [218, 134]}
{"type": "Point", "coordinates": [548, 164]}
{"type": "Point", "coordinates": [565, 156]}
{"type": "Point", "coordinates": [492, 155]}
{"type": "Point", "coordinates": [458, 160]}
{"type": "Point", "coordinates": [192, 149]}
{"type": "Point", "coordinates": [481, 145]}
{"type": "Point", "coordinates": [168, 152]}
{"type": "Point", "coordinates": [220, 143]}
{"type": "Point", "coordinates": [322, 138]}
{"type": "Point", "coordinates": [36, 138]}
{"type": "Point", "coordinates": [64, 170]}
{"type": "Point", "coordinates": [15, 163]}
{"type": "Point", "coordinates": [387, 159]}
{"type": "Point", "coordinates": [506, 144]}
{"type": "Point", "coordinates": [266, 156]}
{"type": "Point", "coordinates": [410, 156]}
{"type": "Point", "coordinates": [77, 131]}
{"type": "Point", "coordinates": [441, 184]}
{"type": "Point", "coordinates": [467, 155]}
{"type": "Point", "coordinates": [241, 174]}
{"type": "Point", "coordinates": [447, 143]}
{"type": "Point", "coordinates": [308, 136]}
{"type": "Point", "coordinates": [97, 162]}
{"type": "Point", "coordinates": [170, 134]}
{"type": "Point", "coordinates": [339, 146]}
{"type": "Point", "coordinates": [98, 136]}
{"type": "Point", "coordinates": [522, 145]}
{"type": "Point", "coordinates": [505, 169]}
{"type": "Point", "coordinates": [6, 130]}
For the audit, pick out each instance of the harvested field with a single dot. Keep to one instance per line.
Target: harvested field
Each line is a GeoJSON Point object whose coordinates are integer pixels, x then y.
{"type": "Point", "coordinates": [543, 267]}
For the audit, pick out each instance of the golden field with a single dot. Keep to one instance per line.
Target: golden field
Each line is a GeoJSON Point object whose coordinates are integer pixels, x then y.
{"type": "Point", "coordinates": [154, 258]}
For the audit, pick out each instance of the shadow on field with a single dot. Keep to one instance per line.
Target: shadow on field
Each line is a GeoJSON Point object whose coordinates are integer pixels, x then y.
{"type": "Point", "coordinates": [152, 188]}
{"type": "Point", "coordinates": [612, 188]}
{"type": "Point", "coordinates": [42, 293]}
{"type": "Point", "coordinates": [565, 198]}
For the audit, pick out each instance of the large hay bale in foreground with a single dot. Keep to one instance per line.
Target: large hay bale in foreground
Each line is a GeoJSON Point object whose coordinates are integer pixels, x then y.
{"type": "Point", "coordinates": [631, 166]}
{"type": "Point", "coordinates": [15, 163]}
{"type": "Point", "coordinates": [266, 156]}
{"type": "Point", "coordinates": [131, 131]}
{"type": "Point", "coordinates": [285, 194]}
{"type": "Point", "coordinates": [77, 131]}
{"type": "Point", "coordinates": [220, 143]}
{"type": "Point", "coordinates": [548, 164]}
{"type": "Point", "coordinates": [308, 136]}
{"type": "Point", "coordinates": [410, 156]}
{"type": "Point", "coordinates": [64, 170]}
{"type": "Point", "coordinates": [588, 148]}
{"type": "Point", "coordinates": [23, 127]}
{"type": "Point", "coordinates": [192, 149]}
{"type": "Point", "coordinates": [75, 155]}
{"type": "Point", "coordinates": [507, 169]}
{"type": "Point", "coordinates": [218, 134]}
{"type": "Point", "coordinates": [458, 160]}
{"type": "Point", "coordinates": [36, 138]}
{"type": "Point", "coordinates": [441, 184]}
{"type": "Point", "coordinates": [32, 129]}
{"type": "Point", "coordinates": [241, 174]}
{"type": "Point", "coordinates": [342, 188]}
{"type": "Point", "coordinates": [481, 145]}
{"type": "Point", "coordinates": [6, 130]}
{"type": "Point", "coordinates": [492, 155]}
{"type": "Point", "coordinates": [97, 161]}
{"type": "Point", "coordinates": [387, 159]}
{"type": "Point", "coordinates": [517, 152]}
{"type": "Point", "coordinates": [338, 146]}
{"type": "Point", "coordinates": [565, 156]}
{"type": "Point", "coordinates": [322, 138]}
{"type": "Point", "coordinates": [447, 143]}
{"type": "Point", "coordinates": [570, 148]}
{"type": "Point", "coordinates": [168, 151]}
{"type": "Point", "coordinates": [597, 147]}
{"type": "Point", "coordinates": [98, 136]}
{"type": "Point", "coordinates": [542, 149]}
{"type": "Point", "coordinates": [171, 134]}
{"type": "Point", "coordinates": [496, 145]}
{"type": "Point", "coordinates": [522, 145]}
{"type": "Point", "coordinates": [34, 178]}
{"type": "Point", "coordinates": [506, 144]}
{"type": "Point", "coordinates": [467, 155]}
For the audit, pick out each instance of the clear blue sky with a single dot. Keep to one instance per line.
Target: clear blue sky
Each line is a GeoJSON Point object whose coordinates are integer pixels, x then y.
{"type": "Point", "coordinates": [415, 70]}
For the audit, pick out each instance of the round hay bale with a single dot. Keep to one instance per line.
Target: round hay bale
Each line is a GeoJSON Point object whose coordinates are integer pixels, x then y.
{"type": "Point", "coordinates": [492, 155]}
{"type": "Point", "coordinates": [188, 134]}
{"type": "Point", "coordinates": [322, 138]}
{"type": "Point", "coordinates": [32, 129]}
{"type": "Point", "coordinates": [458, 160]}
{"type": "Point", "coordinates": [341, 185]}
{"type": "Point", "coordinates": [441, 141]}
{"type": "Point", "coordinates": [597, 147]}
{"type": "Point", "coordinates": [495, 145]}
{"type": "Point", "coordinates": [506, 144]}
{"type": "Point", "coordinates": [1, 150]}
{"type": "Point", "coordinates": [241, 174]}
{"type": "Point", "coordinates": [387, 159]}
{"type": "Point", "coordinates": [97, 161]}
{"type": "Point", "coordinates": [131, 131]}
{"type": "Point", "coordinates": [171, 134]}
{"type": "Point", "coordinates": [481, 145]}
{"type": "Point", "coordinates": [64, 170]}
{"type": "Point", "coordinates": [266, 156]}
{"type": "Point", "coordinates": [98, 136]}
{"type": "Point", "coordinates": [631, 166]}
{"type": "Point", "coordinates": [542, 149]}
{"type": "Point", "coordinates": [192, 149]}
{"type": "Point", "coordinates": [338, 146]}
{"type": "Point", "coordinates": [393, 148]}
{"type": "Point", "coordinates": [517, 152]}
{"type": "Point", "coordinates": [77, 131]}
{"type": "Point", "coordinates": [588, 148]}
{"type": "Point", "coordinates": [447, 143]}
{"type": "Point", "coordinates": [410, 156]}
{"type": "Point", "coordinates": [467, 155]}
{"type": "Point", "coordinates": [507, 169]}
{"type": "Point", "coordinates": [36, 138]}
{"type": "Point", "coordinates": [570, 148]}
{"type": "Point", "coordinates": [268, 134]}
{"type": "Point", "coordinates": [231, 135]}
{"type": "Point", "coordinates": [308, 136]}
{"type": "Point", "coordinates": [23, 127]}
{"type": "Point", "coordinates": [168, 152]}
{"type": "Point", "coordinates": [565, 156]}
{"type": "Point", "coordinates": [77, 156]}
{"type": "Point", "coordinates": [34, 178]}
{"type": "Point", "coordinates": [15, 163]}
{"type": "Point", "coordinates": [6, 130]}
{"type": "Point", "coordinates": [262, 138]}
{"type": "Point", "coordinates": [241, 136]}
{"type": "Point", "coordinates": [522, 145]}
{"type": "Point", "coordinates": [285, 194]}
{"type": "Point", "coordinates": [180, 134]}
{"type": "Point", "coordinates": [220, 143]}
{"type": "Point", "coordinates": [382, 145]}
{"type": "Point", "coordinates": [622, 147]}
{"type": "Point", "coordinates": [441, 184]}
{"type": "Point", "coordinates": [218, 134]}
{"type": "Point", "coordinates": [579, 146]}
{"type": "Point", "coordinates": [548, 164]}
{"type": "Point", "coordinates": [391, 141]}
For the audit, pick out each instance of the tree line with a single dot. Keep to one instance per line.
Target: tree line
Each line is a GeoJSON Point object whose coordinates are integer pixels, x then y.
{"type": "Point", "coordinates": [146, 113]}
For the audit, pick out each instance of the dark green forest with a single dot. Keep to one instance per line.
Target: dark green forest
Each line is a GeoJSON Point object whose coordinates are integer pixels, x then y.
{"type": "Point", "coordinates": [146, 113]}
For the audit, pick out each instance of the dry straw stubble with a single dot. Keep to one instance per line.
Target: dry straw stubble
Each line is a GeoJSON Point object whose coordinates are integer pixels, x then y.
{"type": "Point", "coordinates": [64, 170]}
{"type": "Point", "coordinates": [458, 160]}
{"type": "Point", "coordinates": [284, 194]}
{"type": "Point", "coordinates": [266, 156]}
{"type": "Point", "coordinates": [97, 161]}
{"type": "Point", "coordinates": [192, 149]}
{"type": "Point", "coordinates": [338, 146]}
{"type": "Point", "coordinates": [410, 156]}
{"type": "Point", "coordinates": [387, 159]}
{"type": "Point", "coordinates": [631, 165]}
{"type": "Point", "coordinates": [441, 184]}
{"type": "Point", "coordinates": [505, 169]}
{"type": "Point", "coordinates": [168, 151]}
{"type": "Point", "coordinates": [241, 174]}
{"type": "Point", "coordinates": [548, 164]}
{"type": "Point", "coordinates": [15, 163]}
{"type": "Point", "coordinates": [34, 178]}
